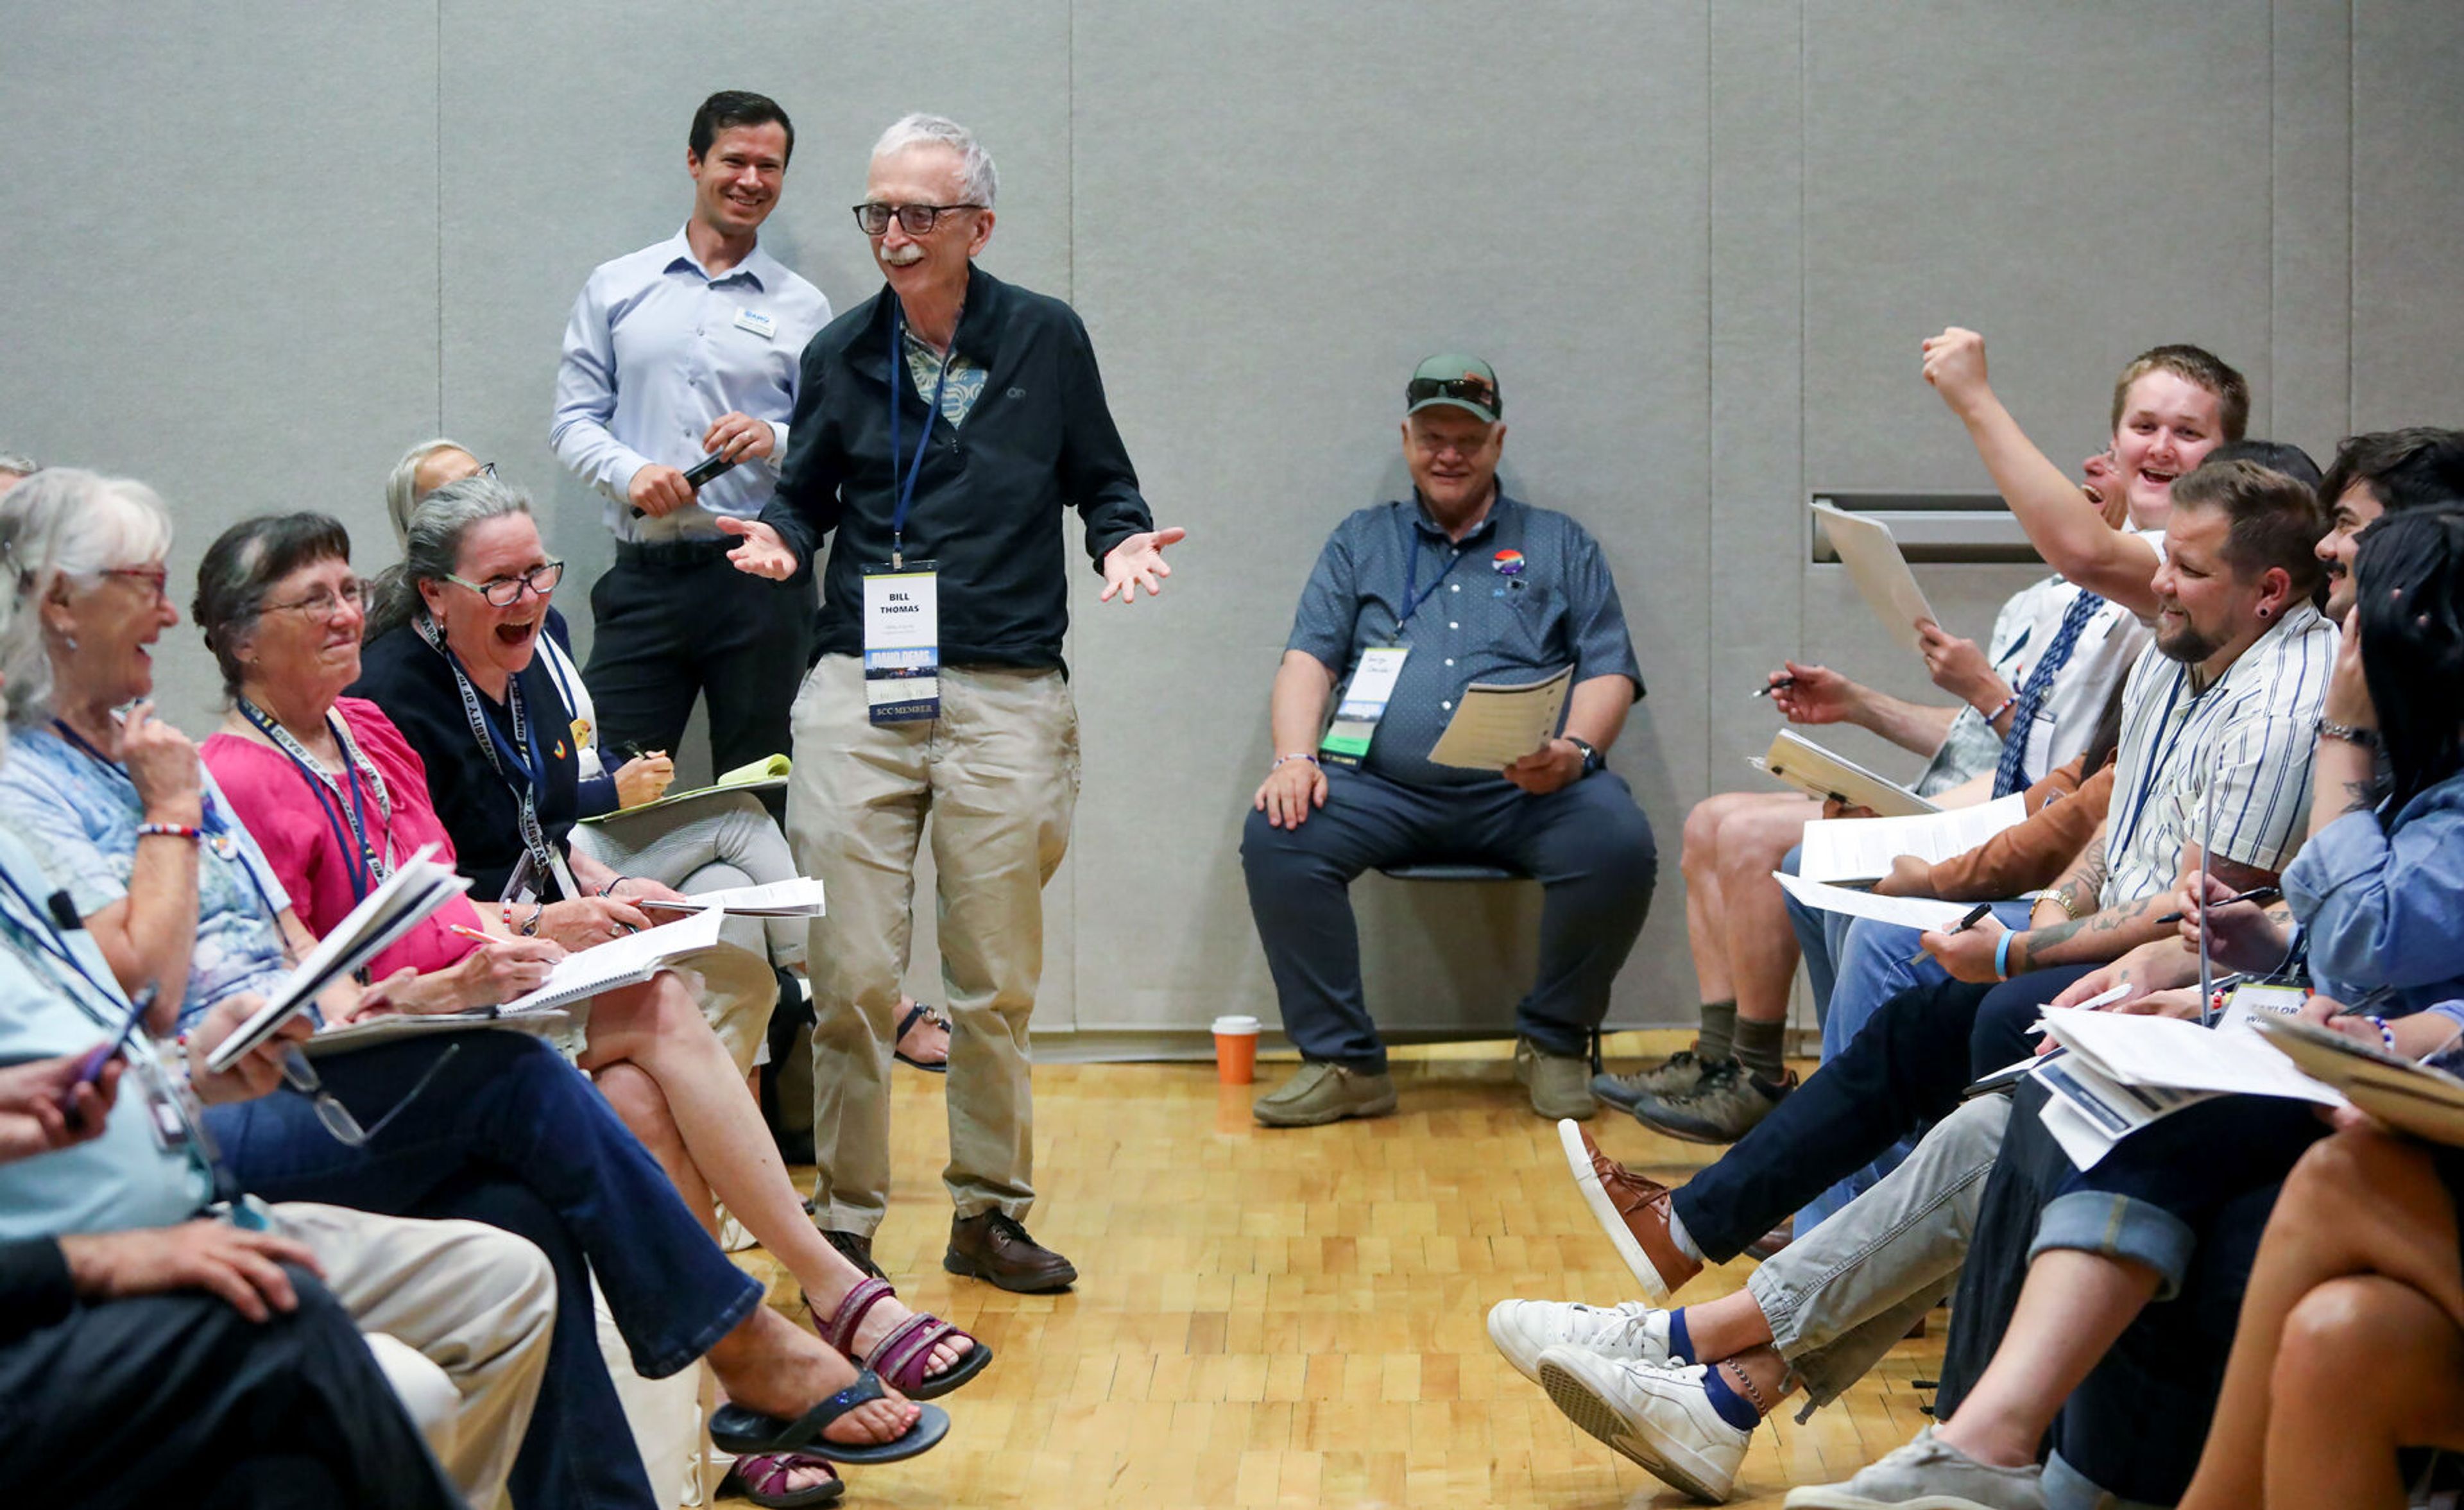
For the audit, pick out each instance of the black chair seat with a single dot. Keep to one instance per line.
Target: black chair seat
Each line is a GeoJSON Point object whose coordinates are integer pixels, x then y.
{"type": "Point", "coordinates": [1450, 870]}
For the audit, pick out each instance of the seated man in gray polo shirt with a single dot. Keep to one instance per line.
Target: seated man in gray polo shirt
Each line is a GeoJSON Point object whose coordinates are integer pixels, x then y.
{"type": "Point", "coordinates": [1471, 586]}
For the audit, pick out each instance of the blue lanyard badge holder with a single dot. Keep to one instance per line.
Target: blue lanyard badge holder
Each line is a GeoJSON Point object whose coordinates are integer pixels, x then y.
{"type": "Point", "coordinates": [902, 598]}
{"type": "Point", "coordinates": [1372, 686]}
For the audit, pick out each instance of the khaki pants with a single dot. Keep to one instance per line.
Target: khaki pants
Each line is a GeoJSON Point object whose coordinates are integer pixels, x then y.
{"type": "Point", "coordinates": [997, 773]}
{"type": "Point", "coordinates": [477, 1305]}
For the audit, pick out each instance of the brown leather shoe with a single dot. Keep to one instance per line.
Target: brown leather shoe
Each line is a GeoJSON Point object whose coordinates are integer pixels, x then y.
{"type": "Point", "coordinates": [1632, 1210]}
{"type": "Point", "coordinates": [856, 1249]}
{"type": "Point", "coordinates": [996, 1249]}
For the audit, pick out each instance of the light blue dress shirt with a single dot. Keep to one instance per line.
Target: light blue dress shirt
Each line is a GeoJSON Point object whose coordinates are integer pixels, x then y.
{"type": "Point", "coordinates": [655, 351]}
{"type": "Point", "coordinates": [2384, 904]}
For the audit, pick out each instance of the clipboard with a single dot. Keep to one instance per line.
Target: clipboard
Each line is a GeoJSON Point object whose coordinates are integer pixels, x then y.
{"type": "Point", "coordinates": [1818, 774]}
{"type": "Point", "coordinates": [1872, 556]}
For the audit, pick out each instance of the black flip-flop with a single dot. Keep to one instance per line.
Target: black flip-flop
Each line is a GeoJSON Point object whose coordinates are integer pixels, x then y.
{"type": "Point", "coordinates": [748, 1432]}
{"type": "Point", "coordinates": [914, 1014]}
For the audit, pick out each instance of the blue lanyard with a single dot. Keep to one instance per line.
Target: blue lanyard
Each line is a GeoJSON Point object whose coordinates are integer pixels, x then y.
{"type": "Point", "coordinates": [362, 874]}
{"type": "Point", "coordinates": [40, 937]}
{"type": "Point", "coordinates": [906, 499]}
{"type": "Point", "coordinates": [2147, 777]}
{"type": "Point", "coordinates": [217, 829]}
{"type": "Point", "coordinates": [1413, 597]}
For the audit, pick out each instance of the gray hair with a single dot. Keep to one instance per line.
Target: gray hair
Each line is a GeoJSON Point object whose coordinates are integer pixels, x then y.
{"type": "Point", "coordinates": [17, 464]}
{"type": "Point", "coordinates": [975, 164]}
{"type": "Point", "coordinates": [402, 486]}
{"type": "Point", "coordinates": [64, 523]}
{"type": "Point", "coordinates": [431, 545]}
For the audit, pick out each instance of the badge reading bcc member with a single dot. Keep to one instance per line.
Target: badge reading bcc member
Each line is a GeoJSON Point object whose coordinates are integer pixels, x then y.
{"type": "Point", "coordinates": [902, 642]}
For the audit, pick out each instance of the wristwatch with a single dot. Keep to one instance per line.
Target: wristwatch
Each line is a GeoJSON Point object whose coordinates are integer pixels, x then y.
{"type": "Point", "coordinates": [1591, 756]}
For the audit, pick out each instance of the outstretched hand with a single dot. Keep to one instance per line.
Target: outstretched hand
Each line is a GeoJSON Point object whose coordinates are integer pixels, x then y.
{"type": "Point", "coordinates": [1954, 363]}
{"type": "Point", "coordinates": [1139, 562]}
{"type": "Point", "coordinates": [763, 554]}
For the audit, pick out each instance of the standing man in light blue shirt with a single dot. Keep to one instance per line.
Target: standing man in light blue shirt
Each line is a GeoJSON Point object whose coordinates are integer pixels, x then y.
{"type": "Point", "coordinates": [685, 350]}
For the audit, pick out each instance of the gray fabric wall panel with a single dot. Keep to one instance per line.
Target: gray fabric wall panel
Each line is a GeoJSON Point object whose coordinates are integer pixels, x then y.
{"type": "Point", "coordinates": [1979, 166]}
{"type": "Point", "coordinates": [2311, 355]}
{"type": "Point", "coordinates": [2408, 321]}
{"type": "Point", "coordinates": [221, 243]}
{"type": "Point", "coordinates": [1281, 208]}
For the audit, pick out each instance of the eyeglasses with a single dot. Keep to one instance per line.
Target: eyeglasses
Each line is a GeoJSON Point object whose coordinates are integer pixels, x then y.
{"type": "Point", "coordinates": [916, 220]}
{"type": "Point", "coordinates": [152, 578]}
{"type": "Point", "coordinates": [302, 1077]}
{"type": "Point", "coordinates": [325, 602]}
{"type": "Point", "coordinates": [504, 592]}
{"type": "Point", "coordinates": [1466, 389]}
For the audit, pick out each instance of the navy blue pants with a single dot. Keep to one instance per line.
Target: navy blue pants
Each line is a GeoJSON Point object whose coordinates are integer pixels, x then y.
{"type": "Point", "coordinates": [1587, 845]}
{"type": "Point", "coordinates": [1903, 1072]}
{"type": "Point", "coordinates": [511, 1135]}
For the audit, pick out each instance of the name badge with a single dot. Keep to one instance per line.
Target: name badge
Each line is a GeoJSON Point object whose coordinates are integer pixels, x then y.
{"type": "Point", "coordinates": [902, 642]}
{"type": "Point", "coordinates": [1364, 703]}
{"type": "Point", "coordinates": [766, 326]}
{"type": "Point", "coordinates": [2250, 1001]}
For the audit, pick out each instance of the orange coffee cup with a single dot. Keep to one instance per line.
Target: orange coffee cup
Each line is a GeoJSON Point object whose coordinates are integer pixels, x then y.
{"type": "Point", "coordinates": [1235, 1050]}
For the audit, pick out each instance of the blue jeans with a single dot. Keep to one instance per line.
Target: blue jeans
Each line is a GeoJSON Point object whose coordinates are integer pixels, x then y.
{"type": "Point", "coordinates": [1876, 962]}
{"type": "Point", "coordinates": [1903, 1071]}
{"type": "Point", "coordinates": [1820, 937]}
{"type": "Point", "coordinates": [1588, 846]}
{"type": "Point", "coordinates": [510, 1134]}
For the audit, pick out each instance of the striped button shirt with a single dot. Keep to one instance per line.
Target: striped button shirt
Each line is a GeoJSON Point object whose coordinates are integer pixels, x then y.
{"type": "Point", "coordinates": [2252, 735]}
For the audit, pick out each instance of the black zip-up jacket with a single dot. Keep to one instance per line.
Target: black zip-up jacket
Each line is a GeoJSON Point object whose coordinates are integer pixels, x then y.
{"type": "Point", "coordinates": [988, 501]}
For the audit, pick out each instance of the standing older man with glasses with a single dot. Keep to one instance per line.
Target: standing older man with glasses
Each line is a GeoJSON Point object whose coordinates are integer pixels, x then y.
{"type": "Point", "coordinates": [1411, 602]}
{"type": "Point", "coordinates": [681, 351]}
{"type": "Point", "coordinates": [940, 429]}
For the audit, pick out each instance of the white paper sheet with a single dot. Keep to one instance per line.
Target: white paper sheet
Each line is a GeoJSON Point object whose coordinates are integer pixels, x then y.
{"type": "Point", "coordinates": [797, 897]}
{"type": "Point", "coordinates": [1862, 848]}
{"type": "Point", "coordinates": [627, 961]}
{"type": "Point", "coordinates": [2172, 1053]}
{"type": "Point", "coordinates": [1908, 912]}
{"type": "Point", "coordinates": [1880, 573]}
{"type": "Point", "coordinates": [1494, 727]}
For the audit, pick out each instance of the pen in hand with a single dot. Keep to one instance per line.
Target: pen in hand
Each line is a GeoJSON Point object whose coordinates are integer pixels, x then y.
{"type": "Point", "coordinates": [2255, 894]}
{"type": "Point", "coordinates": [1975, 916]}
{"type": "Point", "coordinates": [1770, 687]}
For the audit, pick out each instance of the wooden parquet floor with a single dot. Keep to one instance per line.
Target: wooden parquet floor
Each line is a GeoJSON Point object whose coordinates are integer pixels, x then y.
{"type": "Point", "coordinates": [1296, 1317]}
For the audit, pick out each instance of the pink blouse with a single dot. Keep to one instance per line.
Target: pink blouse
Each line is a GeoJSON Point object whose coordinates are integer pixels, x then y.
{"type": "Point", "coordinates": [280, 810]}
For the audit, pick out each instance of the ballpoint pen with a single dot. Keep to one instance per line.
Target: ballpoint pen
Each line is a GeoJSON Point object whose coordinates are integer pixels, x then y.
{"type": "Point", "coordinates": [1975, 916]}
{"type": "Point", "coordinates": [1770, 687]}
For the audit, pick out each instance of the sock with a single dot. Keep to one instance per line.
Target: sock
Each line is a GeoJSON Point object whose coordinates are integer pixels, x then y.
{"type": "Point", "coordinates": [1684, 1239]}
{"type": "Point", "coordinates": [1681, 1342]}
{"type": "Point", "coordinates": [1717, 1039]}
{"type": "Point", "coordinates": [1758, 1047]}
{"type": "Point", "coordinates": [1728, 1405]}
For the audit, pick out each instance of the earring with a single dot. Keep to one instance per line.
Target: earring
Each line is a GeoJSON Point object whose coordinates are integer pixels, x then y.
{"type": "Point", "coordinates": [2264, 611]}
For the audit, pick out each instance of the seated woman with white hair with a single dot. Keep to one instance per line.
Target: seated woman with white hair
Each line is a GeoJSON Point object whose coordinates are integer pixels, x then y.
{"type": "Point", "coordinates": [713, 843]}
{"type": "Point", "coordinates": [173, 888]}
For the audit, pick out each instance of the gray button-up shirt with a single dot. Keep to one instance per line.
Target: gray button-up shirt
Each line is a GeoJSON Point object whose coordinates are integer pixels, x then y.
{"type": "Point", "coordinates": [1521, 596]}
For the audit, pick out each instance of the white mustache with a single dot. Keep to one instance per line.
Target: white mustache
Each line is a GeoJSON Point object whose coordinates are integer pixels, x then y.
{"type": "Point", "coordinates": [902, 257]}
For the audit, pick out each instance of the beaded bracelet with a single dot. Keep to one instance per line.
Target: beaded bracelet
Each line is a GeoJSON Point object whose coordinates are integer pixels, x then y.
{"type": "Point", "coordinates": [2006, 706]}
{"type": "Point", "coordinates": [1295, 755]}
{"type": "Point", "coordinates": [2387, 1034]}
{"type": "Point", "coordinates": [169, 831]}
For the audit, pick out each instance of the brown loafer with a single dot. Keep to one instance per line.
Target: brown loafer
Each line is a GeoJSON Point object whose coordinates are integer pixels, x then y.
{"type": "Point", "coordinates": [994, 1248]}
{"type": "Point", "coordinates": [1632, 1210]}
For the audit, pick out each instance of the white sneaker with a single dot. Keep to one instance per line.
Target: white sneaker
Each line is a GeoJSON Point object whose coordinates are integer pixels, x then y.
{"type": "Point", "coordinates": [1927, 1475]}
{"type": "Point", "coordinates": [1631, 1333]}
{"type": "Point", "coordinates": [1654, 1413]}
